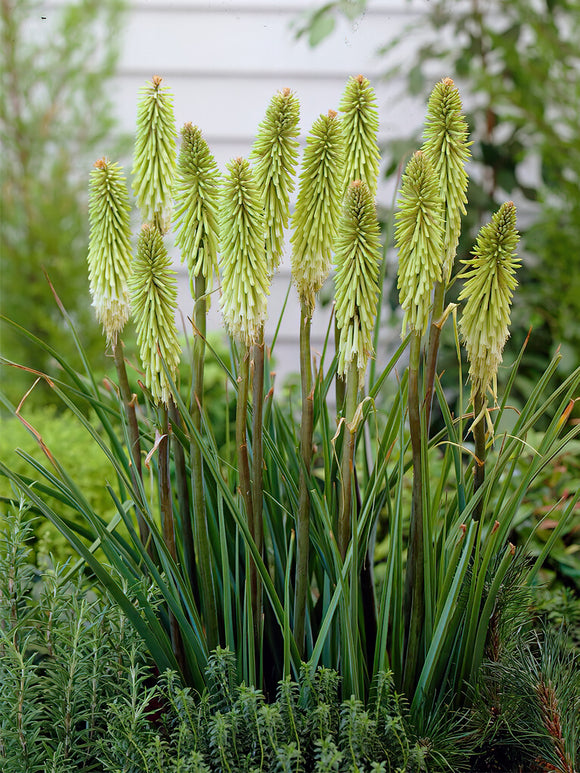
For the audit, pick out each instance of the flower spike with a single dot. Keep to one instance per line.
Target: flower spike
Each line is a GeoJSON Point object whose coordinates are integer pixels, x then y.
{"type": "Point", "coordinates": [360, 124]}
{"type": "Point", "coordinates": [109, 246]}
{"type": "Point", "coordinates": [447, 147]}
{"type": "Point", "coordinates": [245, 275]}
{"type": "Point", "coordinates": [317, 212]}
{"type": "Point", "coordinates": [154, 302]}
{"type": "Point", "coordinates": [275, 152]}
{"type": "Point", "coordinates": [154, 164]}
{"type": "Point", "coordinates": [419, 238]}
{"type": "Point", "coordinates": [357, 272]}
{"type": "Point", "coordinates": [197, 205]}
{"type": "Point", "coordinates": [488, 290]}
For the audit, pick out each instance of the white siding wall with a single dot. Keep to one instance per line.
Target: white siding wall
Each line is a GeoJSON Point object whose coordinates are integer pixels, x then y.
{"type": "Point", "coordinates": [224, 59]}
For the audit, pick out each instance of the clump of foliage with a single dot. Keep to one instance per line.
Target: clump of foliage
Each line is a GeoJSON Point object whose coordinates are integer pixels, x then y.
{"type": "Point", "coordinates": [80, 690]}
{"type": "Point", "coordinates": [50, 132]}
{"type": "Point", "coordinates": [265, 547]}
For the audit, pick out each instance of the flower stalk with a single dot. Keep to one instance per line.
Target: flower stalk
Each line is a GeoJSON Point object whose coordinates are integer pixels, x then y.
{"type": "Point", "coordinates": [109, 259]}
{"type": "Point", "coordinates": [314, 224]}
{"type": "Point", "coordinates": [357, 271]}
{"type": "Point", "coordinates": [447, 147]}
{"type": "Point", "coordinates": [484, 325]}
{"type": "Point", "coordinates": [245, 288]}
{"type": "Point", "coordinates": [419, 238]}
{"type": "Point", "coordinates": [154, 303]}
{"type": "Point", "coordinates": [196, 222]}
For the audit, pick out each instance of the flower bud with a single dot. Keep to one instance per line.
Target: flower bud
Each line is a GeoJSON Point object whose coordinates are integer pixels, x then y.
{"type": "Point", "coordinates": [360, 124]}
{"type": "Point", "coordinates": [275, 152]}
{"type": "Point", "coordinates": [446, 146]}
{"type": "Point", "coordinates": [109, 246]}
{"type": "Point", "coordinates": [357, 272]}
{"type": "Point", "coordinates": [154, 163]}
{"type": "Point", "coordinates": [488, 290]}
{"type": "Point", "coordinates": [317, 212]}
{"type": "Point", "coordinates": [245, 275]}
{"type": "Point", "coordinates": [154, 302]}
{"type": "Point", "coordinates": [197, 205]}
{"type": "Point", "coordinates": [419, 238]}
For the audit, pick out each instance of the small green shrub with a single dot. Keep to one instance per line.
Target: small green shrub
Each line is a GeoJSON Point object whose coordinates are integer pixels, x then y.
{"type": "Point", "coordinates": [67, 441]}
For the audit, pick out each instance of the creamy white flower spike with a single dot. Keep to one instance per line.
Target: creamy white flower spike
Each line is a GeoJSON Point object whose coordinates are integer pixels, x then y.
{"type": "Point", "coordinates": [196, 216]}
{"type": "Point", "coordinates": [447, 147]}
{"type": "Point", "coordinates": [244, 270]}
{"type": "Point", "coordinates": [489, 286]}
{"type": "Point", "coordinates": [154, 163]}
{"type": "Point", "coordinates": [154, 302]}
{"type": "Point", "coordinates": [109, 255]}
{"type": "Point", "coordinates": [419, 238]}
{"type": "Point", "coordinates": [360, 125]}
{"type": "Point", "coordinates": [357, 273]}
{"type": "Point", "coordinates": [317, 212]}
{"type": "Point", "coordinates": [275, 153]}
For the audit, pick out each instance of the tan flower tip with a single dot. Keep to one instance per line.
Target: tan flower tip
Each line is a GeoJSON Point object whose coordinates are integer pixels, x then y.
{"type": "Point", "coordinates": [286, 91]}
{"type": "Point", "coordinates": [101, 163]}
{"type": "Point", "coordinates": [157, 80]}
{"type": "Point", "coordinates": [360, 78]}
{"type": "Point", "coordinates": [332, 113]}
{"type": "Point", "coordinates": [448, 82]}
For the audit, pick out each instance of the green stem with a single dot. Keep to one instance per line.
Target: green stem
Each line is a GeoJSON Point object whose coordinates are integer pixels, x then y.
{"type": "Point", "coordinates": [183, 499]}
{"type": "Point", "coordinates": [242, 438]}
{"type": "Point", "coordinates": [414, 596]}
{"type": "Point", "coordinates": [347, 460]}
{"type": "Point", "coordinates": [133, 427]}
{"type": "Point", "coordinates": [301, 584]}
{"type": "Point", "coordinates": [433, 349]}
{"type": "Point", "coordinates": [200, 545]}
{"type": "Point", "coordinates": [480, 451]}
{"type": "Point", "coordinates": [339, 383]}
{"type": "Point", "coordinates": [168, 526]}
{"type": "Point", "coordinates": [165, 493]}
{"type": "Point", "coordinates": [257, 473]}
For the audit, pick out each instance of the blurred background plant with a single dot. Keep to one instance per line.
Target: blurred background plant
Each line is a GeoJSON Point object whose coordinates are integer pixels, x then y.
{"type": "Point", "coordinates": [50, 135]}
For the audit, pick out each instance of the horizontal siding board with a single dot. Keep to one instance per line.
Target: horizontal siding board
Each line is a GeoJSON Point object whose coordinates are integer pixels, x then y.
{"type": "Point", "coordinates": [230, 111]}
{"type": "Point", "coordinates": [250, 43]}
{"type": "Point", "coordinates": [374, 7]}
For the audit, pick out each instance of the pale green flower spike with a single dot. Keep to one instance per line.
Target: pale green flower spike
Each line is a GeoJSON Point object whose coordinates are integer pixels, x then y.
{"type": "Point", "coordinates": [488, 290]}
{"type": "Point", "coordinates": [317, 212]}
{"type": "Point", "coordinates": [447, 147]}
{"type": "Point", "coordinates": [197, 205]}
{"type": "Point", "coordinates": [245, 275]}
{"type": "Point", "coordinates": [154, 163]}
{"type": "Point", "coordinates": [360, 124]}
{"type": "Point", "coordinates": [419, 238]}
{"type": "Point", "coordinates": [357, 272]}
{"type": "Point", "coordinates": [154, 302]}
{"type": "Point", "coordinates": [275, 152]}
{"type": "Point", "coordinates": [109, 246]}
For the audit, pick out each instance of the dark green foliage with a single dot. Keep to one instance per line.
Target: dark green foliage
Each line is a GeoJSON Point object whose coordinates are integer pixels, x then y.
{"type": "Point", "coordinates": [77, 690]}
{"type": "Point", "coordinates": [55, 66]}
